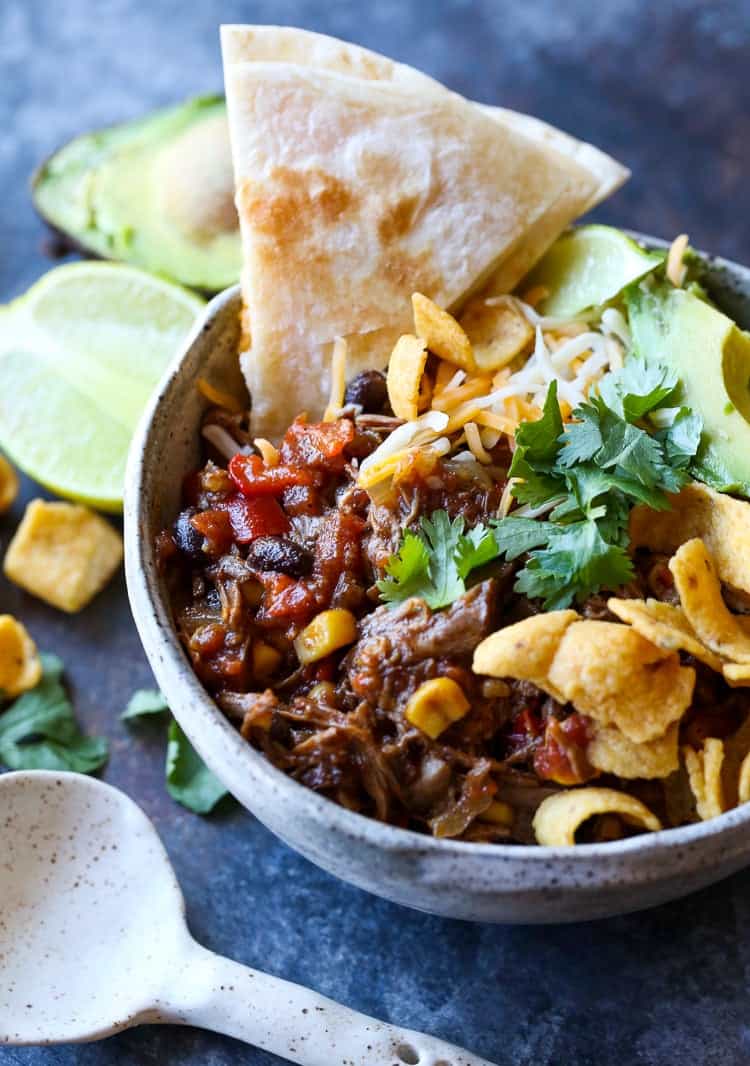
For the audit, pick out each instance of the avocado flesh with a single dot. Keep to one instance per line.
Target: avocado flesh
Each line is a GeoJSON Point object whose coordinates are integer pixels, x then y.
{"type": "Point", "coordinates": [156, 193]}
{"type": "Point", "coordinates": [710, 355]}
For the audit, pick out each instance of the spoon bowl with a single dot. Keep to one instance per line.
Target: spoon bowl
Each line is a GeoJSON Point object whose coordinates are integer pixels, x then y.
{"type": "Point", "coordinates": [93, 940]}
{"type": "Point", "coordinates": [88, 892]}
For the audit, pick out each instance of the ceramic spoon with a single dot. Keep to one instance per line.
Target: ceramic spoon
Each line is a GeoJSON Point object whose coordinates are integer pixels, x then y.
{"type": "Point", "coordinates": [93, 939]}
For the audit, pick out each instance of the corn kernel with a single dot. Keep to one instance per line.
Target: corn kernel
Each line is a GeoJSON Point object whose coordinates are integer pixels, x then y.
{"type": "Point", "coordinates": [8, 485]}
{"type": "Point", "coordinates": [436, 705]}
{"type": "Point", "coordinates": [20, 666]}
{"type": "Point", "coordinates": [328, 631]}
{"type": "Point", "coordinates": [498, 813]}
{"type": "Point", "coordinates": [265, 658]}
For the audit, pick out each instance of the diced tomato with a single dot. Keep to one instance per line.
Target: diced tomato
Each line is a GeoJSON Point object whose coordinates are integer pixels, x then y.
{"type": "Point", "coordinates": [285, 600]}
{"type": "Point", "coordinates": [259, 516]}
{"type": "Point", "coordinates": [253, 478]}
{"type": "Point", "coordinates": [317, 445]}
{"type": "Point", "coordinates": [215, 527]}
{"type": "Point", "coordinates": [562, 755]}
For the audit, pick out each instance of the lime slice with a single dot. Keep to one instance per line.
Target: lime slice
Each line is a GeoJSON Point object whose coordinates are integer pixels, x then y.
{"type": "Point", "coordinates": [587, 267]}
{"type": "Point", "coordinates": [80, 354]}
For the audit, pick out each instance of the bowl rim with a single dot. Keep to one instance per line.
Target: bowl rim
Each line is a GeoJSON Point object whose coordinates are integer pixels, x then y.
{"type": "Point", "coordinates": [153, 617]}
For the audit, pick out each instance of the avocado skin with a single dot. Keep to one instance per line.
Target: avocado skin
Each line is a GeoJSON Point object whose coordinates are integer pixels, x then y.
{"type": "Point", "coordinates": [135, 193]}
{"type": "Point", "coordinates": [710, 355]}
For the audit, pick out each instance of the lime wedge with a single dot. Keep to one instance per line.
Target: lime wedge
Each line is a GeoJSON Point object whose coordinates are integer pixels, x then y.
{"type": "Point", "coordinates": [587, 267]}
{"type": "Point", "coordinates": [80, 354]}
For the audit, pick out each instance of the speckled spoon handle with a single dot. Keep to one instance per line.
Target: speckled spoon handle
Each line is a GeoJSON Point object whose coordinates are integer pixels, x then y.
{"type": "Point", "coordinates": [294, 1022]}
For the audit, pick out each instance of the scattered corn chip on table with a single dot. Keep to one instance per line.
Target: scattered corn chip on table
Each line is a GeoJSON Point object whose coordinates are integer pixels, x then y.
{"type": "Point", "coordinates": [660, 87]}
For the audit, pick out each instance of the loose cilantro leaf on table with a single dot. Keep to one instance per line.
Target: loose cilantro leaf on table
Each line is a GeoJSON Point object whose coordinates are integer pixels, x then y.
{"type": "Point", "coordinates": [589, 475]}
{"type": "Point", "coordinates": [39, 731]}
{"type": "Point", "coordinates": [189, 781]}
{"type": "Point", "coordinates": [145, 702]}
{"type": "Point", "coordinates": [435, 562]}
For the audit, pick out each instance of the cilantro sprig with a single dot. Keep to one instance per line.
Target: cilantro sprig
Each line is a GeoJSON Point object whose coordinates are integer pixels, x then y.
{"type": "Point", "coordinates": [435, 562]}
{"type": "Point", "coordinates": [624, 446]}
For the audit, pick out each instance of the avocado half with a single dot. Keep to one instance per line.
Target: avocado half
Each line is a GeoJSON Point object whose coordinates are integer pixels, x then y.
{"type": "Point", "coordinates": [157, 192]}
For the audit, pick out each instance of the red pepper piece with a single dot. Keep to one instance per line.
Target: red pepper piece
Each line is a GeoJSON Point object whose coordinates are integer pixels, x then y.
{"type": "Point", "coordinates": [253, 478]}
{"type": "Point", "coordinates": [317, 445]}
{"type": "Point", "coordinates": [259, 516]}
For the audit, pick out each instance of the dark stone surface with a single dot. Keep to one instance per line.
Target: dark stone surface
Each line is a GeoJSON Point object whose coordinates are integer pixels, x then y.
{"type": "Point", "coordinates": [663, 87]}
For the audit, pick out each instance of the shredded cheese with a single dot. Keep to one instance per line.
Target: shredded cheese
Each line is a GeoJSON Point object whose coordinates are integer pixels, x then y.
{"type": "Point", "coordinates": [474, 441]}
{"type": "Point", "coordinates": [268, 453]}
{"type": "Point", "coordinates": [219, 398]}
{"type": "Point", "coordinates": [338, 381]}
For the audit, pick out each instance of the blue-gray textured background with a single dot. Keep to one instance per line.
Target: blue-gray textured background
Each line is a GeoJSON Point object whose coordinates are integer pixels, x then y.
{"type": "Point", "coordinates": [665, 88]}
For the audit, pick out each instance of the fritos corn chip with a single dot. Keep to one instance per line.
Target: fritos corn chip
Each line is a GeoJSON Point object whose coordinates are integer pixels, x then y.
{"type": "Point", "coordinates": [498, 332]}
{"type": "Point", "coordinates": [666, 626]}
{"type": "Point", "coordinates": [8, 485]}
{"type": "Point", "coordinates": [20, 665]}
{"type": "Point", "coordinates": [720, 521]}
{"type": "Point", "coordinates": [559, 817]}
{"type": "Point", "coordinates": [524, 650]}
{"type": "Point", "coordinates": [617, 677]}
{"type": "Point", "coordinates": [405, 370]}
{"type": "Point", "coordinates": [743, 785]}
{"type": "Point", "coordinates": [700, 595]}
{"type": "Point", "coordinates": [613, 753]}
{"type": "Point", "coordinates": [441, 333]}
{"type": "Point", "coordinates": [704, 771]}
{"type": "Point", "coordinates": [63, 553]}
{"type": "Point", "coordinates": [608, 671]}
{"type": "Point", "coordinates": [736, 749]}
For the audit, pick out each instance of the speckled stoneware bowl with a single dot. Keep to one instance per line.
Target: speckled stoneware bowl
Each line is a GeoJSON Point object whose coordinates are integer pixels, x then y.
{"type": "Point", "coordinates": [484, 882]}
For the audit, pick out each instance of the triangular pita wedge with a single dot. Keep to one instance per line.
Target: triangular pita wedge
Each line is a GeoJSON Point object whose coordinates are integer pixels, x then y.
{"type": "Point", "coordinates": [360, 181]}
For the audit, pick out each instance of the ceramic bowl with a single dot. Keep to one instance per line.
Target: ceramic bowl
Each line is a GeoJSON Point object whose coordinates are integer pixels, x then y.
{"type": "Point", "coordinates": [483, 882]}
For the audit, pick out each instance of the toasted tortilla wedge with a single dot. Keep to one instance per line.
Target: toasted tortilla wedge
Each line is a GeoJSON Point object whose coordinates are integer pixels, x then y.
{"type": "Point", "coordinates": [360, 181]}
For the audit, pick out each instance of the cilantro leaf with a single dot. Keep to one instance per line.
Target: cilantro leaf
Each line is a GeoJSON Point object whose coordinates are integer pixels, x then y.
{"type": "Point", "coordinates": [538, 440]}
{"type": "Point", "coordinates": [637, 388]}
{"type": "Point", "coordinates": [39, 730]}
{"type": "Point", "coordinates": [407, 570]}
{"type": "Point", "coordinates": [145, 702]}
{"type": "Point", "coordinates": [189, 781]}
{"type": "Point", "coordinates": [582, 438]}
{"type": "Point", "coordinates": [475, 549]}
{"type": "Point", "coordinates": [682, 439]}
{"type": "Point", "coordinates": [516, 536]}
{"type": "Point", "coordinates": [442, 542]}
{"type": "Point", "coordinates": [576, 562]}
{"type": "Point", "coordinates": [434, 563]}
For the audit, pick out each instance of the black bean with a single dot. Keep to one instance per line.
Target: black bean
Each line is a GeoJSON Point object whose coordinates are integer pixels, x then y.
{"type": "Point", "coordinates": [280, 554]}
{"type": "Point", "coordinates": [187, 538]}
{"type": "Point", "coordinates": [368, 390]}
